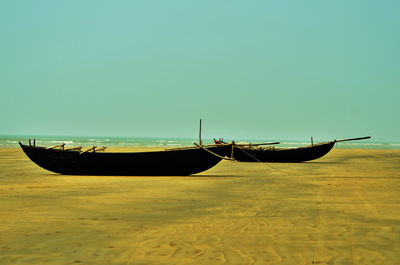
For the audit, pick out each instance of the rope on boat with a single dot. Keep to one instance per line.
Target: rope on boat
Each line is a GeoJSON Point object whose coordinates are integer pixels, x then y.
{"type": "Point", "coordinates": [268, 165]}
{"type": "Point", "coordinates": [255, 158]}
{"type": "Point", "coordinates": [211, 152]}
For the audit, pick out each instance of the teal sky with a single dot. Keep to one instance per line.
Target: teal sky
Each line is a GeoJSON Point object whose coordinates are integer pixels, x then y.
{"type": "Point", "coordinates": [249, 69]}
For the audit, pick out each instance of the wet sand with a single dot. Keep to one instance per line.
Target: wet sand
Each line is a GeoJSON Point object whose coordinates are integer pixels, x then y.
{"type": "Point", "coordinates": [341, 209]}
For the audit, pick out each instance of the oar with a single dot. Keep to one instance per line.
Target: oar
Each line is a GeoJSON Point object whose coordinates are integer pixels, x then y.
{"type": "Point", "coordinates": [353, 139]}
{"type": "Point", "coordinates": [90, 149]}
{"type": "Point", "coordinates": [55, 146]}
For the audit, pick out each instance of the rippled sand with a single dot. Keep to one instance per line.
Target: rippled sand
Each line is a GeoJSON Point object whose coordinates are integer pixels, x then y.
{"type": "Point", "coordinates": [341, 209]}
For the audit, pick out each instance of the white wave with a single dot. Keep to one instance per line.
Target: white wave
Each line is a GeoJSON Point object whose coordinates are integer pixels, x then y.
{"type": "Point", "coordinates": [60, 142]}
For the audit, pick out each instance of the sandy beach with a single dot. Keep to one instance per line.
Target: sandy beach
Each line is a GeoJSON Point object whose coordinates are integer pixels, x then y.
{"type": "Point", "coordinates": [341, 209]}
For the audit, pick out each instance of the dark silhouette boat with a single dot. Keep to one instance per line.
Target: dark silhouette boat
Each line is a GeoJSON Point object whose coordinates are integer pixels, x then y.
{"type": "Point", "coordinates": [254, 153]}
{"type": "Point", "coordinates": [179, 161]}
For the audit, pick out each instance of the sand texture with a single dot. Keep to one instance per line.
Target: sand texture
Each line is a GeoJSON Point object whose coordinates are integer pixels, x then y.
{"type": "Point", "coordinates": [341, 209]}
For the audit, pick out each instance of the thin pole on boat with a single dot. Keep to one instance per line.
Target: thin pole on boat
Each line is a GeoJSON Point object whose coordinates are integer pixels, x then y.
{"type": "Point", "coordinates": [312, 143]}
{"type": "Point", "coordinates": [30, 142]}
{"type": "Point", "coordinates": [233, 145]}
{"type": "Point", "coordinates": [201, 143]}
{"type": "Point", "coordinates": [250, 145]}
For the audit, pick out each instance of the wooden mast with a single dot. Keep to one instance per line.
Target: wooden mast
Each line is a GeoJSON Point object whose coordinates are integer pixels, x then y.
{"type": "Point", "coordinates": [201, 143]}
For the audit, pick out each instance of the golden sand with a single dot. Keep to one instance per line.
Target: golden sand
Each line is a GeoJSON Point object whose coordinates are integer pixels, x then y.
{"type": "Point", "coordinates": [341, 209]}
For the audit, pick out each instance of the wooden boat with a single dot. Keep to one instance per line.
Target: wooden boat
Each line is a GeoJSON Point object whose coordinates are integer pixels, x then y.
{"type": "Point", "coordinates": [254, 153]}
{"type": "Point", "coordinates": [179, 161]}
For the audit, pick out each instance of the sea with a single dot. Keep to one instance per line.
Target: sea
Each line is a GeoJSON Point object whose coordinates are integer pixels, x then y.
{"type": "Point", "coordinates": [70, 141]}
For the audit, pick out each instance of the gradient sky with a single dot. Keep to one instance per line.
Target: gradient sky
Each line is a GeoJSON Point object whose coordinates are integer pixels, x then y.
{"type": "Point", "coordinates": [249, 69]}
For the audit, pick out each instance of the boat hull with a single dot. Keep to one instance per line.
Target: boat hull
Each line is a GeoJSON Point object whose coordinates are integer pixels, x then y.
{"type": "Point", "coordinates": [284, 155]}
{"type": "Point", "coordinates": [158, 163]}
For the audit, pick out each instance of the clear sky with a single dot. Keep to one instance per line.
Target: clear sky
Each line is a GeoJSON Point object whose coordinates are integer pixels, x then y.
{"type": "Point", "coordinates": [250, 69]}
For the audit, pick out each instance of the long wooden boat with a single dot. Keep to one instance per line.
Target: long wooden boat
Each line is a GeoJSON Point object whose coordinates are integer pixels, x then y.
{"type": "Point", "coordinates": [179, 161]}
{"type": "Point", "coordinates": [254, 153]}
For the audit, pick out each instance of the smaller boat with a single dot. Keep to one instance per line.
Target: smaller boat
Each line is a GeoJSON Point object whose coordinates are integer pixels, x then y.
{"type": "Point", "coordinates": [94, 161]}
{"type": "Point", "coordinates": [255, 153]}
